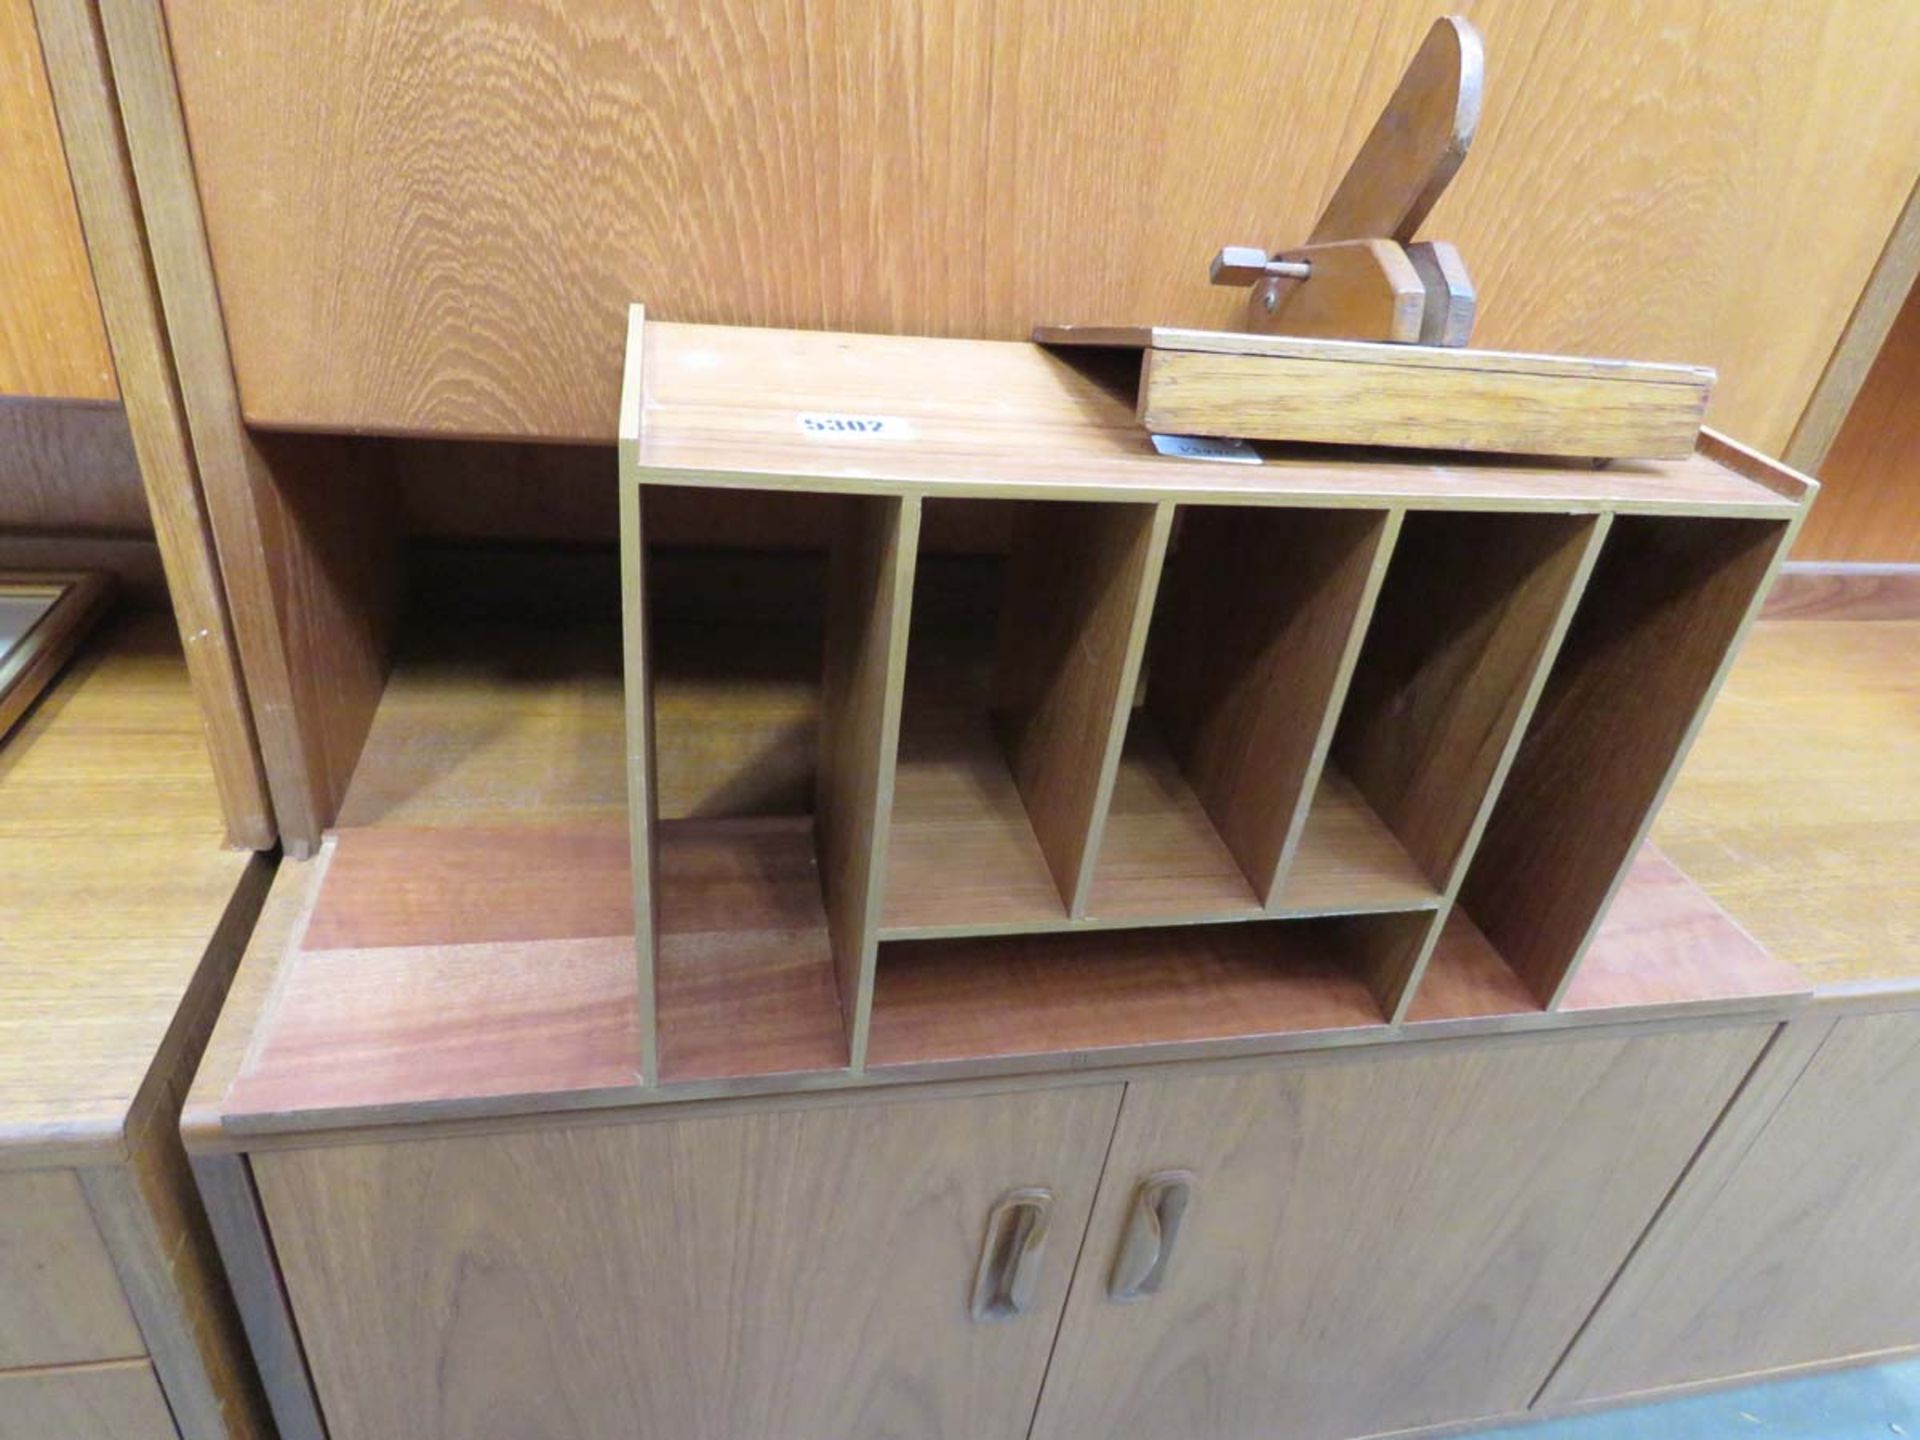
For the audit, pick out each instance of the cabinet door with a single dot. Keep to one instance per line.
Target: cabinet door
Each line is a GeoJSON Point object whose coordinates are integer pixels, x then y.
{"type": "Point", "coordinates": [1377, 1243]}
{"type": "Point", "coordinates": [1786, 1248]}
{"type": "Point", "coordinates": [788, 1275]}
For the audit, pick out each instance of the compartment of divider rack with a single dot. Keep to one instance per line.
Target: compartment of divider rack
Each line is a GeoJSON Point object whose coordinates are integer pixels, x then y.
{"type": "Point", "coordinates": [1021, 645]}
{"type": "Point", "coordinates": [1465, 618]}
{"type": "Point", "coordinates": [763, 775]}
{"type": "Point", "coordinates": [1037, 1001]}
{"type": "Point", "coordinates": [1256, 611]}
{"type": "Point", "coordinates": [1648, 641]}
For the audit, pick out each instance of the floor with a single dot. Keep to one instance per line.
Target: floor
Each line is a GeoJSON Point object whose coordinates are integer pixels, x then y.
{"type": "Point", "coordinates": [1870, 1404]}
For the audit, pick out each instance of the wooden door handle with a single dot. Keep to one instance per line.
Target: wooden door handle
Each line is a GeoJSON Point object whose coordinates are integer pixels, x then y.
{"type": "Point", "coordinates": [1010, 1257]}
{"type": "Point", "coordinates": [1146, 1249]}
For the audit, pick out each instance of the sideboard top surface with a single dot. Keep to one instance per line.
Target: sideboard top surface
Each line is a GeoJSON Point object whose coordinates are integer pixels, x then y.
{"type": "Point", "coordinates": [113, 881]}
{"type": "Point", "coordinates": [759, 408]}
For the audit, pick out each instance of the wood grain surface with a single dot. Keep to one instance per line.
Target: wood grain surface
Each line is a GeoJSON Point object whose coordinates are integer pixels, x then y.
{"type": "Point", "coordinates": [719, 404]}
{"type": "Point", "coordinates": [1063, 1001]}
{"type": "Point", "coordinates": [111, 848]}
{"type": "Point", "coordinates": [117, 1401]}
{"type": "Point", "coordinates": [60, 1302]}
{"type": "Point", "coordinates": [69, 467]}
{"type": "Point", "coordinates": [117, 232]}
{"type": "Point", "coordinates": [797, 1273]}
{"type": "Point", "coordinates": [52, 341]}
{"type": "Point", "coordinates": [1380, 1244]}
{"type": "Point", "coordinates": [1802, 795]}
{"type": "Point", "coordinates": [1664, 948]}
{"type": "Point", "coordinates": [1869, 506]}
{"type": "Point", "coordinates": [1647, 647]}
{"type": "Point", "coordinates": [1257, 628]}
{"type": "Point", "coordinates": [1797, 1250]}
{"type": "Point", "coordinates": [502, 179]}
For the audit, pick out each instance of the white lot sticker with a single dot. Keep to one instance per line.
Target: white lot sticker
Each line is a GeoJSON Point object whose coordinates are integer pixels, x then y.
{"type": "Point", "coordinates": [1206, 447]}
{"type": "Point", "coordinates": [856, 427]}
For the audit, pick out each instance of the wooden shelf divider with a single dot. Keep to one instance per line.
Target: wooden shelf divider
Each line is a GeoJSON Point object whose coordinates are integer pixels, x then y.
{"type": "Point", "coordinates": [1252, 647]}
{"type": "Point", "coordinates": [1656, 630]}
{"type": "Point", "coordinates": [868, 609]}
{"type": "Point", "coordinates": [1073, 628]}
{"type": "Point", "coordinates": [1470, 613]}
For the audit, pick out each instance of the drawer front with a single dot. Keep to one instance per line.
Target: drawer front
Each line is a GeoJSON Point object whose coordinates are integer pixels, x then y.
{"type": "Point", "coordinates": [60, 1302]}
{"type": "Point", "coordinates": [118, 1401]}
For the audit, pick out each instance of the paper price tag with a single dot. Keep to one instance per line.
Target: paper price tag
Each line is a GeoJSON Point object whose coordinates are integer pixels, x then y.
{"type": "Point", "coordinates": [855, 427]}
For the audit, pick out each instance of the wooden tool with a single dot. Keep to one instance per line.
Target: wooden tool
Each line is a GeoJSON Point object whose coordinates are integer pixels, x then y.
{"type": "Point", "coordinates": [1359, 276]}
{"type": "Point", "coordinates": [1359, 336]}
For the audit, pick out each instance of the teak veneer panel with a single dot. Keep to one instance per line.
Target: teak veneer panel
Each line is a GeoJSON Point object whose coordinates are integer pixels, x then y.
{"type": "Point", "coordinates": [796, 1272]}
{"type": "Point", "coordinates": [439, 967]}
{"type": "Point", "coordinates": [117, 1401]}
{"type": "Point", "coordinates": [1259, 623]}
{"type": "Point", "coordinates": [1381, 1243]}
{"type": "Point", "coordinates": [1073, 623]}
{"type": "Point", "coordinates": [52, 340]}
{"type": "Point", "coordinates": [1060, 1001]}
{"type": "Point", "coordinates": [1649, 642]}
{"type": "Point", "coordinates": [1665, 947]}
{"type": "Point", "coordinates": [114, 877]}
{"type": "Point", "coordinates": [60, 1301]}
{"type": "Point", "coordinates": [1801, 1249]}
{"type": "Point", "coordinates": [1872, 471]}
{"type": "Point", "coordinates": [463, 262]}
{"type": "Point", "coordinates": [1801, 798]}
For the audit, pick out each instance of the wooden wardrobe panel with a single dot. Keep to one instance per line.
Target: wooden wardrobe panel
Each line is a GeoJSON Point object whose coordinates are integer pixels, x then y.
{"type": "Point", "coordinates": [1382, 1243]}
{"type": "Point", "coordinates": [52, 341]}
{"type": "Point", "coordinates": [783, 1275]}
{"type": "Point", "coordinates": [500, 180]}
{"type": "Point", "coordinates": [1869, 506]}
{"type": "Point", "coordinates": [1808, 1253]}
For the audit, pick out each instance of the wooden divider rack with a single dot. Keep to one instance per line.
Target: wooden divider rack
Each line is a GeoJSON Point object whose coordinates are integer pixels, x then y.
{"type": "Point", "coordinates": [1119, 754]}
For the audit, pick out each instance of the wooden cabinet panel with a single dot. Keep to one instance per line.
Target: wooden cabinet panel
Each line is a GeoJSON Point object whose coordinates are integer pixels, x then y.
{"type": "Point", "coordinates": [52, 341]}
{"type": "Point", "coordinates": [785, 1275]}
{"type": "Point", "coordinates": [433, 215]}
{"type": "Point", "coordinates": [60, 1301]}
{"type": "Point", "coordinates": [1870, 501]}
{"type": "Point", "coordinates": [1807, 1251]}
{"type": "Point", "coordinates": [1380, 1243]}
{"type": "Point", "coordinates": [121, 1401]}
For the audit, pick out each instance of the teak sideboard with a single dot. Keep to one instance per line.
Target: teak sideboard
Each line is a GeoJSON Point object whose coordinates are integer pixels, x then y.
{"type": "Point", "coordinates": [974, 1049]}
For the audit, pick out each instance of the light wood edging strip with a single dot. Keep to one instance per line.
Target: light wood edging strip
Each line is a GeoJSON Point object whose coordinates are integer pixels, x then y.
{"type": "Point", "coordinates": [1784, 481]}
{"type": "Point", "coordinates": [1894, 275]}
{"type": "Point", "coordinates": [310, 724]}
{"type": "Point", "coordinates": [867, 623]}
{"type": "Point", "coordinates": [643, 804]}
{"type": "Point", "coordinates": [103, 183]}
{"type": "Point", "coordinates": [1550, 650]}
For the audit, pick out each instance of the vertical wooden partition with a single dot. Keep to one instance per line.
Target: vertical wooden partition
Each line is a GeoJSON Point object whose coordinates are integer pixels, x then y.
{"type": "Point", "coordinates": [1650, 640]}
{"type": "Point", "coordinates": [1257, 625]}
{"type": "Point", "coordinates": [1080, 587]}
{"type": "Point", "coordinates": [1469, 617]}
{"type": "Point", "coordinates": [871, 590]}
{"type": "Point", "coordinates": [757, 908]}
